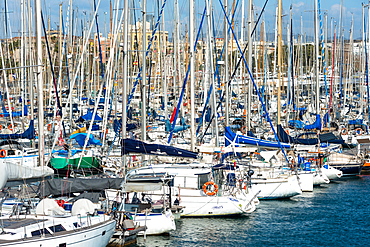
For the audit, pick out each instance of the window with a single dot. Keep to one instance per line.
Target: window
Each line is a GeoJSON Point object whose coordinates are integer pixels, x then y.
{"type": "Point", "coordinates": [57, 228]}
{"type": "Point", "coordinates": [40, 232]}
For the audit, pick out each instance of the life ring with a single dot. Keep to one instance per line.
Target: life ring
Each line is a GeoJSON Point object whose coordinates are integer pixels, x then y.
{"type": "Point", "coordinates": [210, 192]}
{"type": "Point", "coordinates": [49, 127]}
{"type": "Point", "coordinates": [2, 153]}
{"type": "Point", "coordinates": [359, 131]}
{"type": "Point", "coordinates": [344, 131]}
{"type": "Point", "coordinates": [10, 127]}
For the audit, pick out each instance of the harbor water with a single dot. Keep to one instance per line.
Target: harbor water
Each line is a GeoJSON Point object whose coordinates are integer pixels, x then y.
{"type": "Point", "coordinates": [336, 214]}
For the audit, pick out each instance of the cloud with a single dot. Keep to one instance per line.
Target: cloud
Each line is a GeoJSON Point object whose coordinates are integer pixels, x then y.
{"type": "Point", "coordinates": [298, 5]}
{"type": "Point", "coordinates": [336, 8]}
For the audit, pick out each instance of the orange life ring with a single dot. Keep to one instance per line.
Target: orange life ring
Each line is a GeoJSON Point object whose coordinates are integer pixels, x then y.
{"type": "Point", "coordinates": [359, 131]}
{"type": "Point", "coordinates": [344, 131]}
{"type": "Point", "coordinates": [10, 127]}
{"type": "Point", "coordinates": [210, 192]}
{"type": "Point", "coordinates": [49, 127]}
{"type": "Point", "coordinates": [2, 153]}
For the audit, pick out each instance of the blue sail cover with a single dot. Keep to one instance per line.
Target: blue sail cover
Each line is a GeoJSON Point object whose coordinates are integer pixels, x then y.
{"type": "Point", "coordinates": [89, 115]}
{"type": "Point", "coordinates": [315, 125]}
{"type": "Point", "coordinates": [230, 136]}
{"type": "Point", "coordinates": [136, 146]}
{"type": "Point", "coordinates": [5, 113]}
{"type": "Point", "coordinates": [81, 137]}
{"type": "Point", "coordinates": [27, 134]}
{"type": "Point", "coordinates": [117, 125]}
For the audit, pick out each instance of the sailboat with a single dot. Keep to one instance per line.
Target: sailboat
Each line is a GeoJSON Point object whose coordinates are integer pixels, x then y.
{"type": "Point", "coordinates": [197, 187]}
{"type": "Point", "coordinates": [50, 224]}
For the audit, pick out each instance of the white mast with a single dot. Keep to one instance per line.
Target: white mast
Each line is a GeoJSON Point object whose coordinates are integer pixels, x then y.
{"type": "Point", "coordinates": [226, 28]}
{"type": "Point", "coordinates": [250, 85]}
{"type": "Point", "coordinates": [279, 38]}
{"type": "Point", "coordinates": [125, 78]}
{"type": "Point", "coordinates": [317, 92]}
{"type": "Point", "coordinates": [192, 74]}
{"type": "Point", "coordinates": [143, 76]}
{"type": "Point", "coordinates": [40, 84]}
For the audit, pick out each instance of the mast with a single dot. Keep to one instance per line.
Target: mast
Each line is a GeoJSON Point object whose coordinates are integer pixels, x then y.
{"type": "Point", "coordinates": [192, 74]}
{"type": "Point", "coordinates": [250, 84]}
{"type": "Point", "coordinates": [40, 97]}
{"type": "Point", "coordinates": [143, 76]}
{"type": "Point", "coordinates": [210, 64]}
{"type": "Point", "coordinates": [226, 67]}
{"type": "Point", "coordinates": [317, 92]}
{"type": "Point", "coordinates": [279, 44]}
{"type": "Point", "coordinates": [125, 79]}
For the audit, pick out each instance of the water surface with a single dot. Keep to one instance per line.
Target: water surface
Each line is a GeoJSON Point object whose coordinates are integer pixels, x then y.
{"type": "Point", "coordinates": [336, 214]}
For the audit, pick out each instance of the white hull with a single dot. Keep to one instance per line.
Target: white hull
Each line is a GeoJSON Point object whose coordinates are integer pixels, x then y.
{"type": "Point", "coordinates": [331, 172]}
{"type": "Point", "coordinates": [188, 189]}
{"type": "Point", "coordinates": [277, 188]}
{"type": "Point", "coordinates": [97, 235]}
{"type": "Point", "coordinates": [201, 205]}
{"type": "Point", "coordinates": [320, 178]}
{"type": "Point", "coordinates": [306, 181]}
{"type": "Point", "coordinates": [156, 223]}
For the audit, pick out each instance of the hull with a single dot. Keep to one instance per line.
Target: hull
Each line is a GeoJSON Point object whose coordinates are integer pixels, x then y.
{"type": "Point", "coordinates": [276, 188]}
{"type": "Point", "coordinates": [188, 190]}
{"type": "Point", "coordinates": [348, 169]}
{"type": "Point", "coordinates": [320, 178]}
{"type": "Point", "coordinates": [156, 223]}
{"type": "Point", "coordinates": [306, 181]}
{"type": "Point", "coordinates": [196, 204]}
{"type": "Point", "coordinates": [94, 236]}
{"type": "Point", "coordinates": [331, 172]}
{"type": "Point", "coordinates": [75, 163]}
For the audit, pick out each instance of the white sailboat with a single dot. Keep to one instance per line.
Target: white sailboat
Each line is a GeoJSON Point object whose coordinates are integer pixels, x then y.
{"type": "Point", "coordinates": [52, 226]}
{"type": "Point", "coordinates": [197, 188]}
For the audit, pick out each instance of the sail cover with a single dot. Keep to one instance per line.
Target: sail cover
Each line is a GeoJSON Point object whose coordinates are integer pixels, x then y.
{"type": "Point", "coordinates": [231, 137]}
{"type": "Point", "coordinates": [27, 134]}
{"type": "Point", "coordinates": [136, 146]}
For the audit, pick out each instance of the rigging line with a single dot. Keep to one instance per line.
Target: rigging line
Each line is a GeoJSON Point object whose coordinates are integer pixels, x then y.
{"type": "Point", "coordinates": [185, 80]}
{"type": "Point", "coordinates": [236, 67]}
{"type": "Point", "coordinates": [255, 87]}
{"type": "Point", "coordinates": [217, 75]}
{"type": "Point", "coordinates": [99, 45]}
{"type": "Point", "coordinates": [51, 67]}
{"type": "Point", "coordinates": [146, 53]}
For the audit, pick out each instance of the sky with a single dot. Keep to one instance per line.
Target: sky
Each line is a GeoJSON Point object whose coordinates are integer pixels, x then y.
{"type": "Point", "coordinates": [302, 14]}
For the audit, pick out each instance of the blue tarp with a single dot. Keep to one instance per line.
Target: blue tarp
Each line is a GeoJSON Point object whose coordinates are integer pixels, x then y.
{"type": "Point", "coordinates": [315, 125]}
{"type": "Point", "coordinates": [15, 113]}
{"type": "Point", "coordinates": [298, 124]}
{"type": "Point", "coordinates": [88, 117]}
{"type": "Point", "coordinates": [117, 125]}
{"type": "Point", "coordinates": [81, 137]}
{"type": "Point", "coordinates": [177, 128]}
